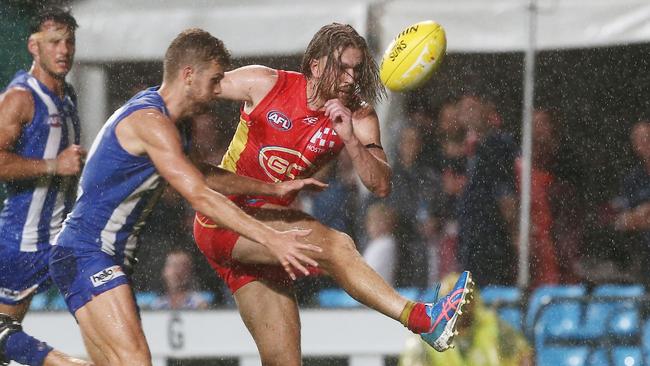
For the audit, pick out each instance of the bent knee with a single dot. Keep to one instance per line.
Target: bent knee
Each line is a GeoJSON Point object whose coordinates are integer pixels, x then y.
{"type": "Point", "coordinates": [340, 245]}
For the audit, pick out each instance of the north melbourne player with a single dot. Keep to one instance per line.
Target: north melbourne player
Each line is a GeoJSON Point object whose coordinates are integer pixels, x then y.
{"type": "Point", "coordinates": [138, 146]}
{"type": "Point", "coordinates": [40, 158]}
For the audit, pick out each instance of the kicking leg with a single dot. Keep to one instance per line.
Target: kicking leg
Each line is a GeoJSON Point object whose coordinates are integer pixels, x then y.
{"type": "Point", "coordinates": [339, 258]}
{"type": "Point", "coordinates": [271, 316]}
{"type": "Point", "coordinates": [343, 262]}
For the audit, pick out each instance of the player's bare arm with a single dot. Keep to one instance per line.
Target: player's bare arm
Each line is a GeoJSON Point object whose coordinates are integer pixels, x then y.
{"type": "Point", "coordinates": [248, 84]}
{"type": "Point", "coordinates": [360, 133]}
{"type": "Point", "coordinates": [151, 133]}
{"type": "Point", "coordinates": [17, 106]}
{"type": "Point", "coordinates": [228, 183]}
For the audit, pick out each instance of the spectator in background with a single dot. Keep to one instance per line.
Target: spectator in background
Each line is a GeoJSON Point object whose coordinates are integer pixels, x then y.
{"type": "Point", "coordinates": [451, 132]}
{"type": "Point", "coordinates": [633, 204]}
{"type": "Point", "coordinates": [338, 205]}
{"type": "Point", "coordinates": [381, 251]}
{"type": "Point", "coordinates": [422, 119]}
{"type": "Point", "coordinates": [415, 185]}
{"type": "Point", "coordinates": [178, 276]}
{"type": "Point", "coordinates": [484, 340]}
{"type": "Point", "coordinates": [555, 221]}
{"type": "Point", "coordinates": [440, 231]}
{"type": "Point", "coordinates": [444, 242]}
{"type": "Point", "coordinates": [488, 205]}
{"type": "Point", "coordinates": [543, 257]}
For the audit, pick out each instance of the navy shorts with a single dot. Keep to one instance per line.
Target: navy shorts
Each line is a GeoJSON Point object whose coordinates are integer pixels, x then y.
{"type": "Point", "coordinates": [23, 274]}
{"type": "Point", "coordinates": [81, 275]}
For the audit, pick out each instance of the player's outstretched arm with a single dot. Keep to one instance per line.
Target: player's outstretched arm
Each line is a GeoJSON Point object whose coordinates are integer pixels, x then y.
{"type": "Point", "coordinates": [156, 136]}
{"type": "Point", "coordinates": [228, 183]}
{"type": "Point", "coordinates": [360, 134]}
{"type": "Point", "coordinates": [248, 84]}
{"type": "Point", "coordinates": [16, 110]}
{"type": "Point", "coordinates": [204, 156]}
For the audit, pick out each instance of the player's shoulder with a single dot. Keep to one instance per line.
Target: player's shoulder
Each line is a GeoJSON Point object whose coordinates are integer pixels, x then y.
{"type": "Point", "coordinates": [255, 71]}
{"type": "Point", "coordinates": [17, 94]}
{"type": "Point", "coordinates": [364, 111]}
{"type": "Point", "coordinates": [17, 98]}
{"type": "Point", "coordinates": [148, 115]}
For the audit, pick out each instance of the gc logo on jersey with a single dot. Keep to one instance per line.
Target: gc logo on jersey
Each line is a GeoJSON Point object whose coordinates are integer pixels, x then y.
{"type": "Point", "coordinates": [279, 121]}
{"type": "Point", "coordinates": [280, 163]}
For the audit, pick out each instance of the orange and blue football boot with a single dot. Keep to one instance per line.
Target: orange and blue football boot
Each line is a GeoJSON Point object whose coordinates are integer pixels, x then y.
{"type": "Point", "coordinates": [445, 313]}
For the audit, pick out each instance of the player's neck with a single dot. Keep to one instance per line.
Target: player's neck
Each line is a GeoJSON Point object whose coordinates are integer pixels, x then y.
{"type": "Point", "coordinates": [175, 102]}
{"type": "Point", "coordinates": [313, 103]}
{"type": "Point", "coordinates": [53, 83]}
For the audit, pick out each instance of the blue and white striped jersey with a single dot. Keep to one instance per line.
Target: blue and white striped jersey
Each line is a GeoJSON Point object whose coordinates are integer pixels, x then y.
{"type": "Point", "coordinates": [35, 208]}
{"type": "Point", "coordinates": [116, 192]}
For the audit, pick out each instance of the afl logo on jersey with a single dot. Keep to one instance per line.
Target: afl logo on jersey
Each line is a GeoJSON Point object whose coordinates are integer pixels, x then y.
{"type": "Point", "coordinates": [282, 164]}
{"type": "Point", "coordinates": [279, 121]}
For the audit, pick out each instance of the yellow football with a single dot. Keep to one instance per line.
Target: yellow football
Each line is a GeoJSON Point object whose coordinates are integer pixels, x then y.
{"type": "Point", "coordinates": [413, 56]}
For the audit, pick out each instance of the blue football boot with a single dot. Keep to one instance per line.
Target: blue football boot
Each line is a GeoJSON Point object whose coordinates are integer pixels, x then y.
{"type": "Point", "coordinates": [445, 312]}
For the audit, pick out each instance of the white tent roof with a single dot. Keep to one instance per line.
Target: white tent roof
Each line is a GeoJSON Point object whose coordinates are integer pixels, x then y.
{"type": "Point", "coordinates": [501, 25]}
{"type": "Point", "coordinates": [142, 29]}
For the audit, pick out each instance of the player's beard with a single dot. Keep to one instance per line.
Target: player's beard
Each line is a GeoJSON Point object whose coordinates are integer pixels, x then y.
{"type": "Point", "coordinates": [50, 71]}
{"type": "Point", "coordinates": [202, 105]}
{"type": "Point", "coordinates": [344, 93]}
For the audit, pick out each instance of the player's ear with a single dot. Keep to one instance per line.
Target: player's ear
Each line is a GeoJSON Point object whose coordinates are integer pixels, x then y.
{"type": "Point", "coordinates": [315, 67]}
{"type": "Point", "coordinates": [187, 73]}
{"type": "Point", "coordinates": [32, 45]}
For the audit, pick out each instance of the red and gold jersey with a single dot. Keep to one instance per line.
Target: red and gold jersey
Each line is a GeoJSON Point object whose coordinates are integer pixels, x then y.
{"type": "Point", "coordinates": [281, 139]}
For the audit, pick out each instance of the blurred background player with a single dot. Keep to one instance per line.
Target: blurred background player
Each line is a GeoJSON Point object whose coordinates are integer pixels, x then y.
{"type": "Point", "coordinates": [40, 157]}
{"type": "Point", "coordinates": [178, 277]}
{"type": "Point", "coordinates": [291, 125]}
{"type": "Point", "coordinates": [381, 250]}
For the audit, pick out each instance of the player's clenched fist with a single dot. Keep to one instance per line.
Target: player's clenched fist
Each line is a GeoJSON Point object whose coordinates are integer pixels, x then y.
{"type": "Point", "coordinates": [69, 161]}
{"type": "Point", "coordinates": [341, 115]}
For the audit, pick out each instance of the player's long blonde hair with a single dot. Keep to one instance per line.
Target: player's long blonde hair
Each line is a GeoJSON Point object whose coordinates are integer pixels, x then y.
{"type": "Point", "coordinates": [330, 41]}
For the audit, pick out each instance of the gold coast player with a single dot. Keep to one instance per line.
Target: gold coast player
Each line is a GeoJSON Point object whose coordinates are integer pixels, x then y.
{"type": "Point", "coordinates": [291, 125]}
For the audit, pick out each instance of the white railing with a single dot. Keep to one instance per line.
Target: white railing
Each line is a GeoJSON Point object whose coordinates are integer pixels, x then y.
{"type": "Point", "coordinates": [363, 336]}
